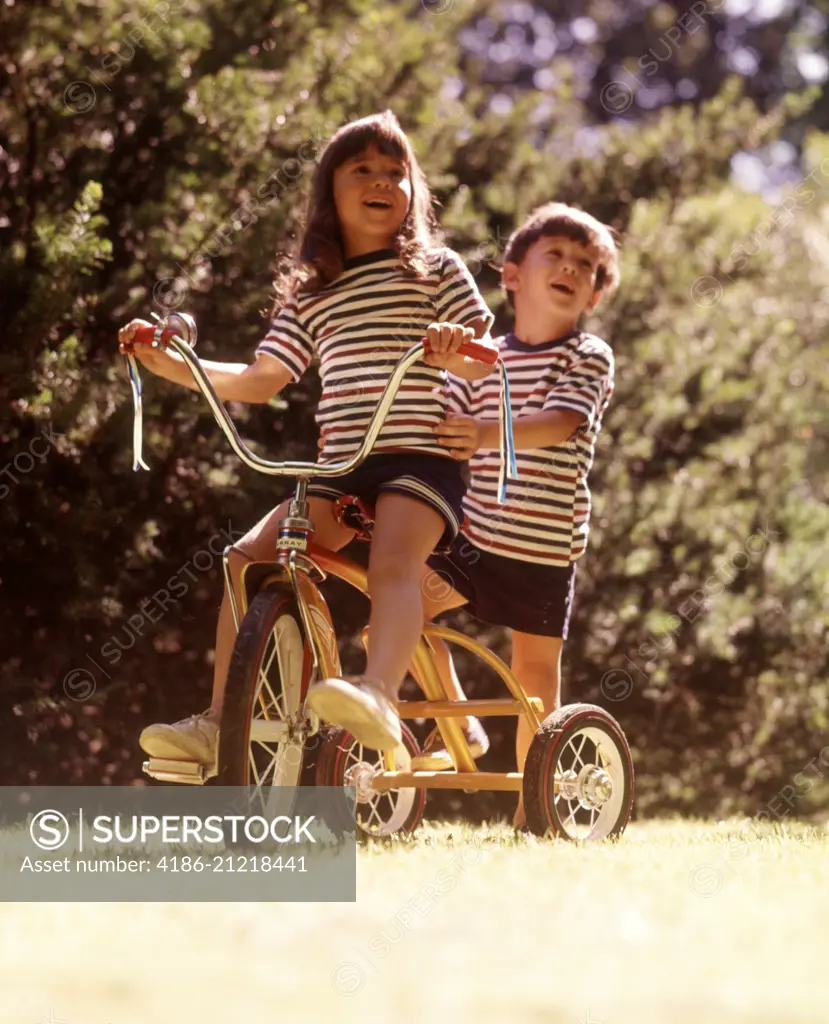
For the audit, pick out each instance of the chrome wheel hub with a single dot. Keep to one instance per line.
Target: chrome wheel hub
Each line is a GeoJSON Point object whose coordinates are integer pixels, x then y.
{"type": "Point", "coordinates": [591, 787]}
{"type": "Point", "coordinates": [596, 787]}
{"type": "Point", "coordinates": [360, 775]}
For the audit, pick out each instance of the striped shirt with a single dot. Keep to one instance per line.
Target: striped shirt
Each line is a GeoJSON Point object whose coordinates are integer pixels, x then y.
{"type": "Point", "coordinates": [545, 519]}
{"type": "Point", "coordinates": [359, 326]}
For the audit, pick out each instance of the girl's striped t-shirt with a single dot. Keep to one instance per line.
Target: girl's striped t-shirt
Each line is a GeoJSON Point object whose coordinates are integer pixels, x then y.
{"type": "Point", "coordinates": [358, 327]}
{"type": "Point", "coordinates": [545, 519]}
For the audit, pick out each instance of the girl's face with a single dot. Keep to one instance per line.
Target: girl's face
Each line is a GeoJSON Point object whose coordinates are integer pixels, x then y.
{"type": "Point", "coordinates": [372, 193]}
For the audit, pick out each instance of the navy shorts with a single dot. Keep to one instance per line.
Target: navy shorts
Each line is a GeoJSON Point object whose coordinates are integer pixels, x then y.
{"type": "Point", "coordinates": [433, 479]}
{"type": "Point", "coordinates": [526, 596]}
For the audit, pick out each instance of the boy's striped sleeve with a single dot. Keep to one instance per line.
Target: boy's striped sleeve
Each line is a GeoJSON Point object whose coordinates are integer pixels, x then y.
{"type": "Point", "coordinates": [587, 385]}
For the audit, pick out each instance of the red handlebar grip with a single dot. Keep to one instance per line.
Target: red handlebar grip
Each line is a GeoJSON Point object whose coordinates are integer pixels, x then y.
{"type": "Point", "coordinates": [473, 349]}
{"type": "Point", "coordinates": [146, 336]}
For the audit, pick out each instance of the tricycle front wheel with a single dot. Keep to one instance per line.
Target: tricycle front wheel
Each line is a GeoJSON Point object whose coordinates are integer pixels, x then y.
{"type": "Point", "coordinates": [260, 735]}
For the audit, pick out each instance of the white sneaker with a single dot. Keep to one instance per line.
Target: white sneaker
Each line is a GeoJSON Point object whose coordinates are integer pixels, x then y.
{"type": "Point", "coordinates": [359, 706]}
{"type": "Point", "coordinates": [191, 739]}
{"type": "Point", "coordinates": [436, 758]}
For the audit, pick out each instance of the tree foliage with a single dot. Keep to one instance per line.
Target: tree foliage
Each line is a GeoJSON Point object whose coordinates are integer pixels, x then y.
{"type": "Point", "coordinates": [156, 156]}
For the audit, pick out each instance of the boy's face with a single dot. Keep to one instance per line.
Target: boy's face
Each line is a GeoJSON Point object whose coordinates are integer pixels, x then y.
{"type": "Point", "coordinates": [557, 276]}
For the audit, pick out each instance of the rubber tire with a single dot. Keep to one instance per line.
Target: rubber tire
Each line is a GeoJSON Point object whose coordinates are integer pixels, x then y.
{"type": "Point", "coordinates": [333, 752]}
{"type": "Point", "coordinates": [234, 728]}
{"type": "Point", "coordinates": [552, 737]}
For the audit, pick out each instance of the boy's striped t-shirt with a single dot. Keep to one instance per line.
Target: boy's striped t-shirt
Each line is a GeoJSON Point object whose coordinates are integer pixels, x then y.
{"type": "Point", "coordinates": [546, 515]}
{"type": "Point", "coordinates": [358, 327]}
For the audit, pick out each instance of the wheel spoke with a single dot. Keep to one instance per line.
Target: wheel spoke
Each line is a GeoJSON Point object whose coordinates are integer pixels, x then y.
{"type": "Point", "coordinates": [581, 748]}
{"type": "Point", "coordinates": [264, 670]}
{"type": "Point", "coordinates": [262, 775]}
{"type": "Point", "coordinates": [588, 798]}
{"type": "Point", "coordinates": [265, 684]}
{"type": "Point", "coordinates": [379, 812]}
{"type": "Point", "coordinates": [252, 762]}
{"type": "Point", "coordinates": [273, 755]}
{"type": "Point", "coordinates": [258, 787]}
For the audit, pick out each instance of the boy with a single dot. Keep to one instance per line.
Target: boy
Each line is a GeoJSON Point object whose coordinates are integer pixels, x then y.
{"type": "Point", "coordinates": [515, 565]}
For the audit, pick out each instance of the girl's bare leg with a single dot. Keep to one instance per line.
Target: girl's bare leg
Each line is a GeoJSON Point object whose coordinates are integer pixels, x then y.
{"type": "Point", "coordinates": [194, 738]}
{"type": "Point", "coordinates": [406, 532]}
{"type": "Point", "coordinates": [259, 545]}
{"type": "Point", "coordinates": [436, 600]}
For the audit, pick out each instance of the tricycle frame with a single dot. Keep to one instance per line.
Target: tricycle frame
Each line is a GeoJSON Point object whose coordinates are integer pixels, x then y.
{"type": "Point", "coordinates": [554, 767]}
{"type": "Point", "coordinates": [303, 568]}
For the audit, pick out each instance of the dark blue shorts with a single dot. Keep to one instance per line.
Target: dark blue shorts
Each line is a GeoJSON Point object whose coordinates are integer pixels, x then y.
{"type": "Point", "coordinates": [433, 479]}
{"type": "Point", "coordinates": [526, 596]}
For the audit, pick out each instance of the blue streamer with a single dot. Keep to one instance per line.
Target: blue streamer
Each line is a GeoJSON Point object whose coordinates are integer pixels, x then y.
{"type": "Point", "coordinates": [508, 466]}
{"type": "Point", "coordinates": [137, 426]}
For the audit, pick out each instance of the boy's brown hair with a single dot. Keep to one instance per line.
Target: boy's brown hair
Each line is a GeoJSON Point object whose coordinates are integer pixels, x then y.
{"type": "Point", "coordinates": [568, 222]}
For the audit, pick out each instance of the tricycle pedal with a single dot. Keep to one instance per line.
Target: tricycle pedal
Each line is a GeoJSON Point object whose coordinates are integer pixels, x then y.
{"type": "Point", "coordinates": [188, 772]}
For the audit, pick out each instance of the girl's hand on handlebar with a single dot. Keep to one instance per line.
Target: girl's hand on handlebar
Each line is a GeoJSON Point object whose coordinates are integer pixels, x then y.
{"type": "Point", "coordinates": [461, 435]}
{"type": "Point", "coordinates": [444, 341]}
{"type": "Point", "coordinates": [126, 334]}
{"type": "Point", "coordinates": [152, 358]}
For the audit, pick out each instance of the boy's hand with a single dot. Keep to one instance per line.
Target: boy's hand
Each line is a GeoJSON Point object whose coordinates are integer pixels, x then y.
{"type": "Point", "coordinates": [461, 435]}
{"type": "Point", "coordinates": [444, 340]}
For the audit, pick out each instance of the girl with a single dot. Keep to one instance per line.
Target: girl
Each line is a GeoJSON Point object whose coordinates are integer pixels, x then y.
{"type": "Point", "coordinates": [369, 282]}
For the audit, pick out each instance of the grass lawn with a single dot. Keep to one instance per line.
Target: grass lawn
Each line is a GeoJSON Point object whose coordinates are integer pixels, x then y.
{"type": "Point", "coordinates": [679, 923]}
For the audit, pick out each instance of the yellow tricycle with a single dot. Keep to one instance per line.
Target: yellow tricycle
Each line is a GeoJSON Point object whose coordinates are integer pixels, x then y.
{"type": "Point", "coordinates": [578, 778]}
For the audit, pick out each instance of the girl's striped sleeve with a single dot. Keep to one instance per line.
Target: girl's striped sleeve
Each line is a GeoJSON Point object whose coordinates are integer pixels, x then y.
{"type": "Point", "coordinates": [458, 300]}
{"type": "Point", "coordinates": [289, 341]}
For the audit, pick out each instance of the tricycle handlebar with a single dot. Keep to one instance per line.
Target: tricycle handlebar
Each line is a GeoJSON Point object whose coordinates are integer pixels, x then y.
{"type": "Point", "coordinates": [168, 337]}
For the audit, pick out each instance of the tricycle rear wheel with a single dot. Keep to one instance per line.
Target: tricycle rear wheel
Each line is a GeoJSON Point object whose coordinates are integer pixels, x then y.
{"type": "Point", "coordinates": [379, 814]}
{"type": "Point", "coordinates": [578, 777]}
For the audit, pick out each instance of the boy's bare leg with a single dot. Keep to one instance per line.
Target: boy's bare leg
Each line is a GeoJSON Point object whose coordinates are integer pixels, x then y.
{"type": "Point", "coordinates": [536, 664]}
{"type": "Point", "coordinates": [259, 545]}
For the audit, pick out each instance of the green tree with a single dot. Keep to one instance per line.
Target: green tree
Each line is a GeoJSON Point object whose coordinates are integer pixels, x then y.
{"type": "Point", "coordinates": [157, 155]}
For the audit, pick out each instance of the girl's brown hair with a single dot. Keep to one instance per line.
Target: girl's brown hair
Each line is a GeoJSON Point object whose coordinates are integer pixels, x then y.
{"type": "Point", "coordinates": [321, 254]}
